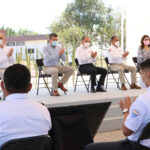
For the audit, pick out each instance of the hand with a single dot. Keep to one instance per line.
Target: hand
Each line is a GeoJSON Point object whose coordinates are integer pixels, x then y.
{"type": "Point", "coordinates": [10, 52]}
{"type": "Point", "coordinates": [61, 51]}
{"type": "Point", "coordinates": [125, 54]}
{"type": "Point", "coordinates": [93, 54]}
{"type": "Point", "coordinates": [126, 103]}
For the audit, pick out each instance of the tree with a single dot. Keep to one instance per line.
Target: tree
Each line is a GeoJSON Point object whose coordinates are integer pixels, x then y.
{"type": "Point", "coordinates": [12, 32]}
{"type": "Point", "coordinates": [87, 17]}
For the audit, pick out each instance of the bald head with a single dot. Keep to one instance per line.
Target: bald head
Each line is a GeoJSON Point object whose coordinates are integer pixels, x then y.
{"type": "Point", "coordinates": [2, 40]}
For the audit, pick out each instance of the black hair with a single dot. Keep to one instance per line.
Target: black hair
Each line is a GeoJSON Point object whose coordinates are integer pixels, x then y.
{"type": "Point", "coordinates": [52, 35]}
{"type": "Point", "coordinates": [145, 64]}
{"type": "Point", "coordinates": [17, 79]}
{"type": "Point", "coordinates": [113, 37]}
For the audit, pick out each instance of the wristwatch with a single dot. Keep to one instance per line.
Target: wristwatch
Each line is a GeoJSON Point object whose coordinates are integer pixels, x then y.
{"type": "Point", "coordinates": [125, 110]}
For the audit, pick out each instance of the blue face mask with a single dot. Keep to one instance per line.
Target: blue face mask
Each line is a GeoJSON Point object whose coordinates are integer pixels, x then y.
{"type": "Point", "coordinates": [54, 43]}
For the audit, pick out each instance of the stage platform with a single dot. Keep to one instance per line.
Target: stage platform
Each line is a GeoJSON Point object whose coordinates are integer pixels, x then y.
{"type": "Point", "coordinates": [113, 118]}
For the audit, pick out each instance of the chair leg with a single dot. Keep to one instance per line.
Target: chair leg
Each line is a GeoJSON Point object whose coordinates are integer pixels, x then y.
{"type": "Point", "coordinates": [107, 81]}
{"type": "Point", "coordinates": [116, 81]}
{"type": "Point", "coordinates": [47, 86]}
{"type": "Point", "coordinates": [89, 84]}
{"type": "Point", "coordinates": [76, 82]}
{"type": "Point", "coordinates": [84, 83]}
{"type": "Point", "coordinates": [38, 85]}
{"type": "Point", "coordinates": [126, 79]}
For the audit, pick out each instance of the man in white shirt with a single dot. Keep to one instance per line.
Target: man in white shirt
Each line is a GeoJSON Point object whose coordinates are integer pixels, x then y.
{"type": "Point", "coordinates": [21, 116]}
{"type": "Point", "coordinates": [6, 58]}
{"type": "Point", "coordinates": [135, 118]}
{"type": "Point", "coordinates": [86, 58]}
{"type": "Point", "coordinates": [116, 58]}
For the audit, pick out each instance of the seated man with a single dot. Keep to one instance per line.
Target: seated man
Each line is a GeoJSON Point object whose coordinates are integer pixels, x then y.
{"type": "Point", "coordinates": [6, 58]}
{"type": "Point", "coordinates": [86, 57]}
{"type": "Point", "coordinates": [20, 116]}
{"type": "Point", "coordinates": [52, 54]}
{"type": "Point", "coordinates": [116, 58]}
{"type": "Point", "coordinates": [135, 118]}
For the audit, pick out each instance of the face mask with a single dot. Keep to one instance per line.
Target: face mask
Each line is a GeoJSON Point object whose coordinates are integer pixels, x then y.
{"type": "Point", "coordinates": [146, 43]}
{"type": "Point", "coordinates": [54, 43]}
{"type": "Point", "coordinates": [1, 42]}
{"type": "Point", "coordinates": [87, 44]}
{"type": "Point", "coordinates": [117, 43]}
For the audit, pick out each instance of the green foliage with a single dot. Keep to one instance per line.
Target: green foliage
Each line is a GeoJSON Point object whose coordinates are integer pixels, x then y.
{"type": "Point", "coordinates": [12, 32]}
{"type": "Point", "coordinates": [87, 17]}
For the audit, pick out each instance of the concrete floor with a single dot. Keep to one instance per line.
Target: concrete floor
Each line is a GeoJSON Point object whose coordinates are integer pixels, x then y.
{"type": "Point", "coordinates": [109, 136]}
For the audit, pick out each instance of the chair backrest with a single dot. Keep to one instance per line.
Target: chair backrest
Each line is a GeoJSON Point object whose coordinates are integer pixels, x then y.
{"type": "Point", "coordinates": [43, 142]}
{"type": "Point", "coordinates": [134, 60]}
{"type": "Point", "coordinates": [145, 133]}
{"type": "Point", "coordinates": [77, 62]}
{"type": "Point", "coordinates": [106, 60]}
{"type": "Point", "coordinates": [39, 62]}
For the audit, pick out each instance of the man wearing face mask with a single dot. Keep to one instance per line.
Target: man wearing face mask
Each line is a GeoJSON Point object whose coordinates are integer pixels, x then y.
{"type": "Point", "coordinates": [86, 58]}
{"type": "Point", "coordinates": [116, 58]}
{"type": "Point", "coordinates": [135, 118]}
{"type": "Point", "coordinates": [52, 53]}
{"type": "Point", "coordinates": [6, 58]}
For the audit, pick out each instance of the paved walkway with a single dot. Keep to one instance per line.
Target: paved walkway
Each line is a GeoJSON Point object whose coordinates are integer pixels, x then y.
{"type": "Point", "coordinates": [109, 136]}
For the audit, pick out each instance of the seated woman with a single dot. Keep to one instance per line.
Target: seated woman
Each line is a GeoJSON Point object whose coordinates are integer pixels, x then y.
{"type": "Point", "coordinates": [144, 49]}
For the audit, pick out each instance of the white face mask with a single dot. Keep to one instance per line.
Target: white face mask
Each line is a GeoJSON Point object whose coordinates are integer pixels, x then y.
{"type": "Point", "coordinates": [117, 44]}
{"type": "Point", "coordinates": [87, 44]}
{"type": "Point", "coordinates": [1, 42]}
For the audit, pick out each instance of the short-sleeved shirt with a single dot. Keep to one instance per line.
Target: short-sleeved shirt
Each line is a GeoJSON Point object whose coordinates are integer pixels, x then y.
{"type": "Point", "coordinates": [22, 117]}
{"type": "Point", "coordinates": [139, 116]}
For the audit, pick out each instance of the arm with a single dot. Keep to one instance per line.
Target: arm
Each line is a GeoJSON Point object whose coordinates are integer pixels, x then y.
{"type": "Point", "coordinates": [63, 57]}
{"type": "Point", "coordinates": [140, 57]}
{"type": "Point", "coordinates": [134, 118]}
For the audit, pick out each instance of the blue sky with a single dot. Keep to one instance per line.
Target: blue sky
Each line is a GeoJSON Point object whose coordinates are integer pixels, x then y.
{"type": "Point", "coordinates": [35, 15]}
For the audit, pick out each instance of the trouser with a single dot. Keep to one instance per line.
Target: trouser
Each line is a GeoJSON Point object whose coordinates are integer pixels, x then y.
{"type": "Point", "coordinates": [92, 70]}
{"type": "Point", "coordinates": [120, 68]}
{"type": "Point", "coordinates": [54, 71]}
{"type": "Point", "coordinates": [2, 73]}
{"type": "Point", "coordinates": [119, 145]}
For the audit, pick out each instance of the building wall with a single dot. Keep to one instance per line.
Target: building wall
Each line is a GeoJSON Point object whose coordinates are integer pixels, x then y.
{"type": "Point", "coordinates": [38, 44]}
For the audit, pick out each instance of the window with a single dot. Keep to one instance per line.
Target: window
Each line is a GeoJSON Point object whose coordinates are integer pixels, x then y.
{"type": "Point", "coordinates": [31, 50]}
{"type": "Point", "coordinates": [20, 43]}
{"type": "Point", "coordinates": [11, 43]}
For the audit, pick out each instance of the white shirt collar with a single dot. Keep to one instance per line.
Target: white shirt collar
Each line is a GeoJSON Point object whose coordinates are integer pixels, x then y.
{"type": "Point", "coordinates": [17, 96]}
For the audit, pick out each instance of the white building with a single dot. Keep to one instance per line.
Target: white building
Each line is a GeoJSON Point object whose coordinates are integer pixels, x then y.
{"type": "Point", "coordinates": [33, 44]}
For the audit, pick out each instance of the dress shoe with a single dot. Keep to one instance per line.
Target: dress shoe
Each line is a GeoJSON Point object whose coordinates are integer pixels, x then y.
{"type": "Point", "coordinates": [61, 86]}
{"type": "Point", "coordinates": [123, 87]}
{"type": "Point", "coordinates": [134, 86]}
{"type": "Point", "coordinates": [55, 93]}
{"type": "Point", "coordinates": [100, 89]}
{"type": "Point", "coordinates": [92, 90]}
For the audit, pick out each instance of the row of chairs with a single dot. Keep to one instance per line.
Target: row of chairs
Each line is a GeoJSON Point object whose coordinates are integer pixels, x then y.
{"type": "Point", "coordinates": [86, 82]}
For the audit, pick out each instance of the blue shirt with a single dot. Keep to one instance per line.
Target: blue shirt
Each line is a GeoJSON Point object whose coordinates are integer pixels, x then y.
{"type": "Point", "coordinates": [139, 116]}
{"type": "Point", "coordinates": [51, 55]}
{"type": "Point", "coordinates": [22, 117]}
